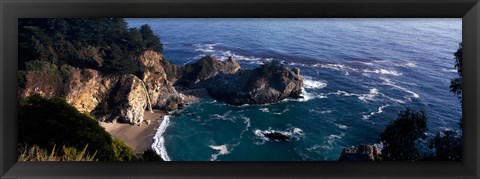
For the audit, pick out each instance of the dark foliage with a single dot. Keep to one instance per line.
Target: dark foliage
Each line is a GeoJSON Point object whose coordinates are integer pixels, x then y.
{"type": "Point", "coordinates": [54, 122]}
{"type": "Point", "coordinates": [152, 42]}
{"type": "Point", "coordinates": [448, 146]}
{"type": "Point", "coordinates": [399, 136]}
{"type": "Point", "coordinates": [150, 155]}
{"type": "Point", "coordinates": [456, 83]}
{"type": "Point", "coordinates": [104, 44]}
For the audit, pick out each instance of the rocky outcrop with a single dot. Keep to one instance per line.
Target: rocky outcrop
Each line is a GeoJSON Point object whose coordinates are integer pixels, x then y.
{"type": "Point", "coordinates": [272, 82]}
{"type": "Point", "coordinates": [204, 69]}
{"type": "Point", "coordinates": [128, 100]}
{"type": "Point", "coordinates": [277, 136]}
{"type": "Point", "coordinates": [160, 83]}
{"type": "Point", "coordinates": [362, 153]}
{"type": "Point", "coordinates": [86, 94]}
{"type": "Point", "coordinates": [113, 98]}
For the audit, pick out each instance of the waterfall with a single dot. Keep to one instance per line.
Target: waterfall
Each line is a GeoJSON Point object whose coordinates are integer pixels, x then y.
{"type": "Point", "coordinates": [148, 97]}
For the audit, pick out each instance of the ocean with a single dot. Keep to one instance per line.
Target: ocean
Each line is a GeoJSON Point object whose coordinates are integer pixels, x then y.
{"type": "Point", "coordinates": [359, 73]}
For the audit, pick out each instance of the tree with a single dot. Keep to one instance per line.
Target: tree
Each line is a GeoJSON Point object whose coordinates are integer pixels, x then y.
{"type": "Point", "coordinates": [456, 83]}
{"type": "Point", "coordinates": [399, 136]}
{"type": "Point", "coordinates": [151, 40]}
{"type": "Point", "coordinates": [448, 146]}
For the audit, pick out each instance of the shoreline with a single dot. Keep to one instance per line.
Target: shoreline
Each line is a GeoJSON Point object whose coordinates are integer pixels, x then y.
{"type": "Point", "coordinates": [141, 137]}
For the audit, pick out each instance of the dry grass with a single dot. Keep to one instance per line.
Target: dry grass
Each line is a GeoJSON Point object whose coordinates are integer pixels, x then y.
{"type": "Point", "coordinates": [35, 153]}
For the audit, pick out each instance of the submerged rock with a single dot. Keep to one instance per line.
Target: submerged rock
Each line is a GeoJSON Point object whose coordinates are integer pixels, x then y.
{"type": "Point", "coordinates": [276, 136]}
{"type": "Point", "coordinates": [362, 153]}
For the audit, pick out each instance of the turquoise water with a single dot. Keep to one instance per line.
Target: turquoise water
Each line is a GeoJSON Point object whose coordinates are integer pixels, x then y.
{"type": "Point", "coordinates": [359, 74]}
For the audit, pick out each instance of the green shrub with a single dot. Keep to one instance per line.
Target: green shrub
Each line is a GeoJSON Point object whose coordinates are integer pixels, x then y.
{"type": "Point", "coordinates": [122, 151]}
{"type": "Point", "coordinates": [54, 122]}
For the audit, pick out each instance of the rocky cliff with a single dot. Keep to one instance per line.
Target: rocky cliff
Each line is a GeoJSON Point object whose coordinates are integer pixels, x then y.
{"type": "Point", "coordinates": [225, 81]}
{"type": "Point", "coordinates": [110, 98]}
{"type": "Point", "coordinates": [362, 153]}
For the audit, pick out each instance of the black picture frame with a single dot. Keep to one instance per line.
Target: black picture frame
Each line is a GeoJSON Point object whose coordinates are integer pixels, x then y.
{"type": "Point", "coordinates": [11, 10]}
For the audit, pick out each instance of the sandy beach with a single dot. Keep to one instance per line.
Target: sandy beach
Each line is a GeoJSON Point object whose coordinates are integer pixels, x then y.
{"type": "Point", "coordinates": [139, 138]}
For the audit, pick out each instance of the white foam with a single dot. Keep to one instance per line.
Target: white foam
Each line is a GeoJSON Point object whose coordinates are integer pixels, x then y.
{"type": "Point", "coordinates": [224, 116]}
{"type": "Point", "coordinates": [341, 126]}
{"type": "Point", "coordinates": [379, 110]}
{"type": "Point", "coordinates": [326, 112]}
{"type": "Point", "coordinates": [370, 96]}
{"type": "Point", "coordinates": [159, 141]}
{"type": "Point", "coordinates": [280, 113]}
{"type": "Point", "coordinates": [264, 110]}
{"type": "Point", "coordinates": [391, 83]}
{"type": "Point", "coordinates": [207, 48]}
{"type": "Point", "coordinates": [450, 70]}
{"type": "Point", "coordinates": [333, 138]}
{"type": "Point", "coordinates": [383, 72]}
{"type": "Point", "coordinates": [408, 64]}
{"type": "Point", "coordinates": [222, 150]}
{"type": "Point", "coordinates": [307, 96]}
{"type": "Point", "coordinates": [309, 83]}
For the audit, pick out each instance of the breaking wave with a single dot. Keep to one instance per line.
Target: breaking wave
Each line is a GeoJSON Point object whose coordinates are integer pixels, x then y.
{"type": "Point", "coordinates": [379, 110]}
{"type": "Point", "coordinates": [159, 141]}
{"type": "Point", "coordinates": [309, 83]}
{"type": "Point", "coordinates": [408, 64]}
{"type": "Point", "coordinates": [222, 150]}
{"type": "Point", "coordinates": [392, 84]}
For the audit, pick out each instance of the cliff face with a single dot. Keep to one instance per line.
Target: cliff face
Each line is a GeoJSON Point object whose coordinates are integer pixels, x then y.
{"type": "Point", "coordinates": [121, 98]}
{"type": "Point", "coordinates": [160, 84]}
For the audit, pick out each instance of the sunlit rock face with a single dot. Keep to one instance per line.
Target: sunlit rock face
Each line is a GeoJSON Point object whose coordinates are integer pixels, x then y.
{"type": "Point", "coordinates": [125, 96]}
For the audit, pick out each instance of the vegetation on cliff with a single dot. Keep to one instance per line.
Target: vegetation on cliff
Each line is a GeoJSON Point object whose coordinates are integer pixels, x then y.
{"type": "Point", "coordinates": [400, 136]}
{"type": "Point", "coordinates": [35, 153]}
{"type": "Point", "coordinates": [46, 123]}
{"type": "Point", "coordinates": [56, 46]}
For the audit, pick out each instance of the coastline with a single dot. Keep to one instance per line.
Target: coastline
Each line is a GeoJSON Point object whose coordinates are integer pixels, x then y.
{"type": "Point", "coordinates": [141, 137]}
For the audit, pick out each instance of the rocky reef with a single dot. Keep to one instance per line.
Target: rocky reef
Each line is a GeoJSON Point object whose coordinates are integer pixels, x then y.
{"type": "Point", "coordinates": [226, 81]}
{"type": "Point", "coordinates": [360, 153]}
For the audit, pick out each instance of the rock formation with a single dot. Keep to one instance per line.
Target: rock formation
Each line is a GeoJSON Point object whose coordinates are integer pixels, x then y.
{"type": "Point", "coordinates": [112, 98]}
{"type": "Point", "coordinates": [362, 153]}
{"type": "Point", "coordinates": [124, 98]}
{"type": "Point", "coordinates": [205, 68]}
{"type": "Point", "coordinates": [272, 82]}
